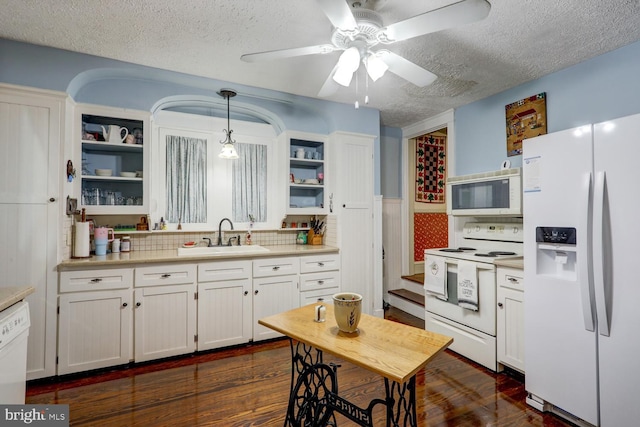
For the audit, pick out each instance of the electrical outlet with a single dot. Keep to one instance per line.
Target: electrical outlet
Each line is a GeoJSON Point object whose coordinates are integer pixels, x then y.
{"type": "Point", "coordinates": [72, 206]}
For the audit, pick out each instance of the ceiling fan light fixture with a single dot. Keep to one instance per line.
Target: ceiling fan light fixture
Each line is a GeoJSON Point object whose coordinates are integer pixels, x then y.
{"type": "Point", "coordinates": [347, 64]}
{"type": "Point", "coordinates": [376, 67]}
{"type": "Point", "coordinates": [228, 148]}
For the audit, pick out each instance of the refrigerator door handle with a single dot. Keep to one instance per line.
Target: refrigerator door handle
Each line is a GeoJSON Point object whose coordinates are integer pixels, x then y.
{"type": "Point", "coordinates": [598, 253]}
{"type": "Point", "coordinates": [586, 279]}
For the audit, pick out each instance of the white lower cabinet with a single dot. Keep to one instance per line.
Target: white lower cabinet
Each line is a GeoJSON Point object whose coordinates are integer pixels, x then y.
{"type": "Point", "coordinates": [510, 317]}
{"type": "Point", "coordinates": [111, 316]}
{"type": "Point", "coordinates": [94, 322]}
{"type": "Point", "coordinates": [275, 289]}
{"type": "Point", "coordinates": [165, 311]}
{"type": "Point", "coordinates": [224, 304]}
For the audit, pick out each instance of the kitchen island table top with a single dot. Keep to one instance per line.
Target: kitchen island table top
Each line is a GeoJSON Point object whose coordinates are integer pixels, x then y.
{"type": "Point", "coordinates": [390, 349]}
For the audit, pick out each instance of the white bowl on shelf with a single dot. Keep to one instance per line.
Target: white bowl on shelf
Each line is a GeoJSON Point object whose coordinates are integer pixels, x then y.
{"type": "Point", "coordinates": [128, 174]}
{"type": "Point", "coordinates": [104, 172]}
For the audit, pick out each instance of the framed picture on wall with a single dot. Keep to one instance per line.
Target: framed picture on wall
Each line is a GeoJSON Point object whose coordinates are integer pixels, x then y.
{"type": "Point", "coordinates": [525, 118]}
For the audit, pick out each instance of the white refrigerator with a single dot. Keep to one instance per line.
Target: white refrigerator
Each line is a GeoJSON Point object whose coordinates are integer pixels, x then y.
{"type": "Point", "coordinates": [582, 272]}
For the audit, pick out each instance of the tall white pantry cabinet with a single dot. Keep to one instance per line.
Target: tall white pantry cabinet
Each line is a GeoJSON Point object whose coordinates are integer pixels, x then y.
{"type": "Point", "coordinates": [32, 126]}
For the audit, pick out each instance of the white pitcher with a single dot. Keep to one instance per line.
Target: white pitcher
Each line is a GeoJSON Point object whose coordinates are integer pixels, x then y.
{"type": "Point", "coordinates": [114, 134]}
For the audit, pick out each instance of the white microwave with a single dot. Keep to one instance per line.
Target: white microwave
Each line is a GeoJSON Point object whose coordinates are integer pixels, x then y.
{"type": "Point", "coordinates": [497, 193]}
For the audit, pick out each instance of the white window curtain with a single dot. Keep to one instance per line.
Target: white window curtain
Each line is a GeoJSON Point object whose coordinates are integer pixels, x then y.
{"type": "Point", "coordinates": [250, 183]}
{"type": "Point", "coordinates": [186, 180]}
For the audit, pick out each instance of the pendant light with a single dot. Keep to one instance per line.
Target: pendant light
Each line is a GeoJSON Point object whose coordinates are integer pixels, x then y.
{"type": "Point", "coordinates": [228, 148]}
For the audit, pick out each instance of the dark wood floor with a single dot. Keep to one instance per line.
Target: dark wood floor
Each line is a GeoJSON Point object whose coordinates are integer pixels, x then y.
{"type": "Point", "coordinates": [248, 386]}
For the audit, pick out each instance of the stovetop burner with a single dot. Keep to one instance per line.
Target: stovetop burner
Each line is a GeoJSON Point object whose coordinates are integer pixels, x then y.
{"type": "Point", "coordinates": [460, 249]}
{"type": "Point", "coordinates": [495, 254]}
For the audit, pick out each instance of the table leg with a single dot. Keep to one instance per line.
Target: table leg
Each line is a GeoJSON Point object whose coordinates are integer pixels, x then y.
{"type": "Point", "coordinates": [311, 383]}
{"type": "Point", "coordinates": [401, 403]}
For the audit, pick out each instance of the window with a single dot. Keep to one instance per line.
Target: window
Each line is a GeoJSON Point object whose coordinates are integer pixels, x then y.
{"type": "Point", "coordinates": [186, 179]}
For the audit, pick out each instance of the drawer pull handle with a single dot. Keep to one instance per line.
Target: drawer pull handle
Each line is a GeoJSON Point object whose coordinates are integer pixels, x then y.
{"type": "Point", "coordinates": [514, 280]}
{"type": "Point", "coordinates": [165, 276]}
{"type": "Point", "coordinates": [320, 282]}
{"type": "Point", "coordinates": [96, 280]}
{"type": "Point", "coordinates": [276, 268]}
{"type": "Point", "coordinates": [321, 264]}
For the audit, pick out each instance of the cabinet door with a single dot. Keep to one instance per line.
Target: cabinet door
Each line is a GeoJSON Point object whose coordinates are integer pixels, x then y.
{"type": "Point", "coordinates": [510, 332]}
{"type": "Point", "coordinates": [165, 321]}
{"type": "Point", "coordinates": [95, 330]}
{"type": "Point", "coordinates": [30, 134]}
{"type": "Point", "coordinates": [354, 207]}
{"type": "Point", "coordinates": [224, 313]}
{"type": "Point", "coordinates": [272, 295]}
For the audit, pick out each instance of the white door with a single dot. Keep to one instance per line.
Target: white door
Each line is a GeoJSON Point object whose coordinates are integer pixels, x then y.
{"type": "Point", "coordinates": [273, 295]}
{"type": "Point", "coordinates": [30, 135]}
{"type": "Point", "coordinates": [165, 321]}
{"type": "Point", "coordinates": [616, 151]}
{"type": "Point", "coordinates": [224, 313]}
{"type": "Point", "coordinates": [94, 330]}
{"type": "Point", "coordinates": [560, 351]}
{"type": "Point", "coordinates": [353, 157]}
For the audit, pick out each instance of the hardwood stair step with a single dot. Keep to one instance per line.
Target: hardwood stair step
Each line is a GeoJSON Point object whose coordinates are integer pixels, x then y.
{"type": "Point", "coordinates": [418, 278]}
{"type": "Point", "coordinates": [409, 296]}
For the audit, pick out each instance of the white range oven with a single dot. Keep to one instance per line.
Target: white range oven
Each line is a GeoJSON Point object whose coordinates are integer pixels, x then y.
{"type": "Point", "coordinates": [460, 288]}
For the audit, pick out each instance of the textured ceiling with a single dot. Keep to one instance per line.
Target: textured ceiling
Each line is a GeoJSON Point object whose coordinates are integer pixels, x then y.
{"type": "Point", "coordinates": [519, 41]}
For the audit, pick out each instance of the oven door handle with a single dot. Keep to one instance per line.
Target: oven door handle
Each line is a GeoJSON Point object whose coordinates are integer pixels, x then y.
{"type": "Point", "coordinates": [479, 265]}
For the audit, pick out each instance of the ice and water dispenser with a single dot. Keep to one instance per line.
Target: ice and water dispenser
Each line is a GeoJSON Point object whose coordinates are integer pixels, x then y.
{"type": "Point", "coordinates": [556, 252]}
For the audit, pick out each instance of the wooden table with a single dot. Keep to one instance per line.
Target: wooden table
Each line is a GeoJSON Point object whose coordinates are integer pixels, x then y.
{"type": "Point", "coordinates": [393, 350]}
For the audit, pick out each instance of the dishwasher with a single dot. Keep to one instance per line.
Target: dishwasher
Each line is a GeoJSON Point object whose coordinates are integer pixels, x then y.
{"type": "Point", "coordinates": [14, 333]}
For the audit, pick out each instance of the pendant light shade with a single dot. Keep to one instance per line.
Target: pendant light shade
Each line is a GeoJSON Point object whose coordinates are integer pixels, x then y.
{"type": "Point", "coordinates": [228, 145]}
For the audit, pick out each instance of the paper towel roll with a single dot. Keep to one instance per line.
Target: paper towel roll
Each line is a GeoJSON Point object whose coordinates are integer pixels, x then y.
{"type": "Point", "coordinates": [81, 242]}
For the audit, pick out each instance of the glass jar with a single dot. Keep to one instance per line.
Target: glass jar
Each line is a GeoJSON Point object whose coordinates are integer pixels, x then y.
{"type": "Point", "coordinates": [125, 244]}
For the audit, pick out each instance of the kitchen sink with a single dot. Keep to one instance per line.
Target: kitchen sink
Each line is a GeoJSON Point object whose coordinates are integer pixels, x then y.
{"type": "Point", "coordinates": [221, 250]}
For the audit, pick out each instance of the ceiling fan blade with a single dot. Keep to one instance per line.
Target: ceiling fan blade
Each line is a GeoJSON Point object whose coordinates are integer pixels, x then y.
{"type": "Point", "coordinates": [287, 53]}
{"type": "Point", "coordinates": [330, 86]}
{"type": "Point", "coordinates": [407, 69]}
{"type": "Point", "coordinates": [453, 15]}
{"type": "Point", "coordinates": [338, 13]}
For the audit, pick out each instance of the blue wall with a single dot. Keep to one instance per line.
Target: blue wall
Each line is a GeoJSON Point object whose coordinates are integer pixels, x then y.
{"type": "Point", "coordinates": [391, 162]}
{"type": "Point", "coordinates": [593, 91]}
{"type": "Point", "coordinates": [94, 80]}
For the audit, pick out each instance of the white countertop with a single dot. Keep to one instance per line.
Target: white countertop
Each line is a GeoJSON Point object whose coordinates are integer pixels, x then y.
{"type": "Point", "coordinates": [171, 255]}
{"type": "Point", "coordinates": [510, 262]}
{"type": "Point", "coordinates": [13, 294]}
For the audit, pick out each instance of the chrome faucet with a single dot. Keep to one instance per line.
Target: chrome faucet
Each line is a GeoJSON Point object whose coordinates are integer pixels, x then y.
{"type": "Point", "coordinates": [220, 229]}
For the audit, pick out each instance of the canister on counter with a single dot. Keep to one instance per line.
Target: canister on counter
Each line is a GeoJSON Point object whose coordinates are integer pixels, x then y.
{"type": "Point", "coordinates": [125, 244]}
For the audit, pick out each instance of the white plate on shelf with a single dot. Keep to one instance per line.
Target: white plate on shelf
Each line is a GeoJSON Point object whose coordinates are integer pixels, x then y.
{"type": "Point", "coordinates": [128, 174]}
{"type": "Point", "coordinates": [104, 172]}
{"type": "Point", "coordinates": [311, 181]}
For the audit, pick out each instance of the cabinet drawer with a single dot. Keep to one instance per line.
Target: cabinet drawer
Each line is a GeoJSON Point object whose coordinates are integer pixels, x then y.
{"type": "Point", "coordinates": [312, 297]}
{"type": "Point", "coordinates": [224, 270]}
{"type": "Point", "coordinates": [322, 280]}
{"type": "Point", "coordinates": [511, 278]}
{"type": "Point", "coordinates": [96, 280]}
{"type": "Point", "coordinates": [168, 274]}
{"type": "Point", "coordinates": [316, 263]}
{"type": "Point", "coordinates": [266, 267]}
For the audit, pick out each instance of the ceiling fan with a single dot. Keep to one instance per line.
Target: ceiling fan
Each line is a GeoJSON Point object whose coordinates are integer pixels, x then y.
{"type": "Point", "coordinates": [357, 32]}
